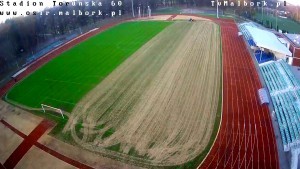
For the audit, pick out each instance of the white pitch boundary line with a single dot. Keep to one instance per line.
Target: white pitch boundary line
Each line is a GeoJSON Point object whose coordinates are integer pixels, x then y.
{"type": "Point", "coordinates": [62, 81]}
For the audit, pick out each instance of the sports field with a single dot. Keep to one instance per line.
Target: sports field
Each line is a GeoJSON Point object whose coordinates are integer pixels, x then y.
{"type": "Point", "coordinates": [145, 92]}
{"type": "Point", "coordinates": [66, 79]}
{"type": "Point", "coordinates": [159, 106]}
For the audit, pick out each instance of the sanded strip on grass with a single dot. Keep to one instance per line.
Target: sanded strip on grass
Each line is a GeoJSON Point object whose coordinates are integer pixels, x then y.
{"type": "Point", "coordinates": [158, 107]}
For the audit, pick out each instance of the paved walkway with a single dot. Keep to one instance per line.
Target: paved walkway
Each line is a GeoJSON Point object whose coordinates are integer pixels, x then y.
{"type": "Point", "coordinates": [31, 140]}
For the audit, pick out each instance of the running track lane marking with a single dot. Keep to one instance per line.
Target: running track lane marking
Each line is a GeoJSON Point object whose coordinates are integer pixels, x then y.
{"type": "Point", "coordinates": [31, 140]}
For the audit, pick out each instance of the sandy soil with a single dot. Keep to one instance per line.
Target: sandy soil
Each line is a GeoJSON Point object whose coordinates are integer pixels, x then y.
{"type": "Point", "coordinates": [157, 18]}
{"type": "Point", "coordinates": [16, 116]}
{"type": "Point", "coordinates": [37, 159]}
{"type": "Point", "coordinates": [83, 156]}
{"type": "Point", "coordinates": [161, 102]}
{"type": "Point", "coordinates": [9, 141]}
{"type": "Point", "coordinates": [177, 17]}
{"type": "Point", "coordinates": [186, 17]}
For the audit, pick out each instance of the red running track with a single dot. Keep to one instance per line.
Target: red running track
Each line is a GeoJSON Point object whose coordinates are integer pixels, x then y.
{"type": "Point", "coordinates": [171, 17]}
{"type": "Point", "coordinates": [246, 137]}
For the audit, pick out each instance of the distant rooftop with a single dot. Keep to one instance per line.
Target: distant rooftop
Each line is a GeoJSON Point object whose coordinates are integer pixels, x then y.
{"type": "Point", "coordinates": [295, 38]}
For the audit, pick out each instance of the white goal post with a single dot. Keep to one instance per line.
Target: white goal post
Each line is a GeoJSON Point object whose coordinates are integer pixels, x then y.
{"type": "Point", "coordinates": [56, 109]}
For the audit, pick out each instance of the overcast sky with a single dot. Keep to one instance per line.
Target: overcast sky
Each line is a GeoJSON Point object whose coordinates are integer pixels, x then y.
{"type": "Point", "coordinates": [49, 3]}
{"type": "Point", "coordinates": [295, 2]}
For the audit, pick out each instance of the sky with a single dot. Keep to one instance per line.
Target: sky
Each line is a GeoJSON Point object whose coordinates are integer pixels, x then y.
{"type": "Point", "coordinates": [294, 2]}
{"type": "Point", "coordinates": [49, 3]}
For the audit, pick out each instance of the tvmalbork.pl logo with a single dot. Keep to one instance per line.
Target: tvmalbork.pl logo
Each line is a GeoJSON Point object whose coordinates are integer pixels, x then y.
{"type": "Point", "coordinates": [245, 3]}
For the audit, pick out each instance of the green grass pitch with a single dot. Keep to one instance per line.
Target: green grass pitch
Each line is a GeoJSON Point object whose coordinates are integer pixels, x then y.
{"type": "Point", "coordinates": [66, 79]}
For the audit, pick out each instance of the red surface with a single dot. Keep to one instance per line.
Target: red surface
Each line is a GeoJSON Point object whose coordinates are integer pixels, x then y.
{"type": "Point", "coordinates": [246, 138]}
{"type": "Point", "coordinates": [31, 140]}
{"type": "Point", "coordinates": [52, 54]}
{"type": "Point", "coordinates": [28, 142]}
{"type": "Point", "coordinates": [1, 166]}
{"type": "Point", "coordinates": [62, 157]}
{"type": "Point", "coordinates": [171, 17]}
{"type": "Point", "coordinates": [296, 62]}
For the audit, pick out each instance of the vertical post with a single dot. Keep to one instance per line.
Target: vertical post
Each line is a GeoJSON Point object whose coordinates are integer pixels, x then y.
{"type": "Point", "coordinates": [43, 108]}
{"type": "Point", "coordinates": [276, 19]}
{"type": "Point", "coordinates": [262, 13]}
{"type": "Point", "coordinates": [61, 114]}
{"type": "Point", "coordinates": [298, 12]}
{"type": "Point", "coordinates": [132, 8]}
{"type": "Point", "coordinates": [260, 55]}
{"type": "Point", "coordinates": [218, 9]}
{"type": "Point", "coordinates": [149, 12]}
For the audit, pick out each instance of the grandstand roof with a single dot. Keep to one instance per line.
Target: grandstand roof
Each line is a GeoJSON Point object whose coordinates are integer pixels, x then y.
{"type": "Point", "coordinates": [295, 38]}
{"type": "Point", "coordinates": [268, 40]}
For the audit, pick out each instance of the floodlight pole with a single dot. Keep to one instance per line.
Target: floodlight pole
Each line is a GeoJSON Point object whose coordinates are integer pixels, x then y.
{"type": "Point", "coordinates": [132, 8]}
{"type": "Point", "coordinates": [149, 12]}
{"type": "Point", "coordinates": [218, 9]}
{"type": "Point", "coordinates": [139, 12]}
{"type": "Point", "coordinates": [262, 13]}
{"type": "Point", "coordinates": [276, 20]}
{"type": "Point", "coordinates": [297, 9]}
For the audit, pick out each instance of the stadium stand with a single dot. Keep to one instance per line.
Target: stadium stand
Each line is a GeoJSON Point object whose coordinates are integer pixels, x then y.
{"type": "Point", "coordinates": [285, 92]}
{"type": "Point", "coordinates": [262, 56]}
{"type": "Point", "coordinates": [246, 34]}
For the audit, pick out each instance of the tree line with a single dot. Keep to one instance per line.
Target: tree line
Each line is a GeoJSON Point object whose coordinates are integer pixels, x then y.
{"type": "Point", "coordinates": [22, 36]}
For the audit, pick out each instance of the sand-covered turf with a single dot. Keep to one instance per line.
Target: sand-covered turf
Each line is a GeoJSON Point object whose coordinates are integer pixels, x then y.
{"type": "Point", "coordinates": [66, 79]}
{"type": "Point", "coordinates": [160, 105]}
{"type": "Point", "coordinates": [187, 17]}
{"type": "Point", "coordinates": [36, 158]}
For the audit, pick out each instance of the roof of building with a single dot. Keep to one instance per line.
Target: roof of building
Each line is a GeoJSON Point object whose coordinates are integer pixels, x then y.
{"type": "Point", "coordinates": [267, 40]}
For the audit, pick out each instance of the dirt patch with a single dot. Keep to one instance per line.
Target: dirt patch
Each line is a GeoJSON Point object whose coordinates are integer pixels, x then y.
{"type": "Point", "coordinates": [173, 17]}
{"type": "Point", "coordinates": [187, 17]}
{"type": "Point", "coordinates": [156, 18]}
{"type": "Point", "coordinates": [36, 159]}
{"type": "Point", "coordinates": [159, 106]}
